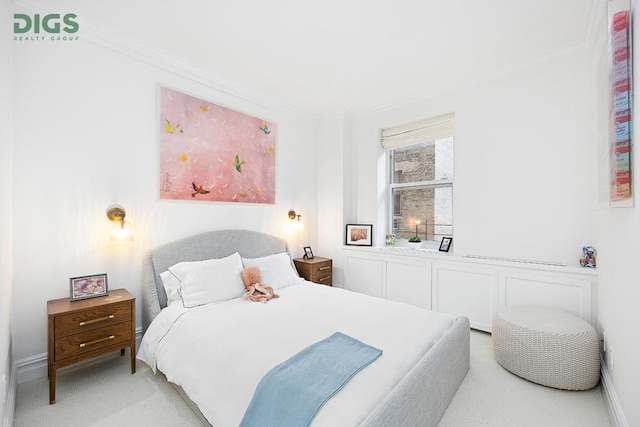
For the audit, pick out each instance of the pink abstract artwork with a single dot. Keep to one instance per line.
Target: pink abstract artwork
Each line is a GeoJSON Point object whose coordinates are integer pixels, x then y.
{"type": "Point", "coordinates": [212, 153]}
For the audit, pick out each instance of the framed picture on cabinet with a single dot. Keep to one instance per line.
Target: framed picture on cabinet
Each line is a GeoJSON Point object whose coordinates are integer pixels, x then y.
{"type": "Point", "coordinates": [359, 234]}
{"type": "Point", "coordinates": [445, 244]}
{"type": "Point", "coordinates": [84, 287]}
{"type": "Point", "coordinates": [390, 240]}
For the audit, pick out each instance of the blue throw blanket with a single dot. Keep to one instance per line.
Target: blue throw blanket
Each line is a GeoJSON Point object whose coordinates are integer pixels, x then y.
{"type": "Point", "coordinates": [291, 394]}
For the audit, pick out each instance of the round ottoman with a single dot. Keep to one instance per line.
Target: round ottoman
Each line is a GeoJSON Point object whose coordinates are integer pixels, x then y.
{"type": "Point", "coordinates": [547, 346]}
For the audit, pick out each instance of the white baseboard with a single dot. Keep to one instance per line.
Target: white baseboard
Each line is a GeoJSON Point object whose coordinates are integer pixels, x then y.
{"type": "Point", "coordinates": [35, 367]}
{"type": "Point", "coordinates": [611, 397]}
{"type": "Point", "coordinates": [32, 368]}
{"type": "Point", "coordinates": [10, 403]}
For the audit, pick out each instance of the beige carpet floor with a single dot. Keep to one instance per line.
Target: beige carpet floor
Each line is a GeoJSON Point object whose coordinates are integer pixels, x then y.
{"type": "Point", "coordinates": [492, 396]}
{"type": "Point", "coordinates": [105, 394]}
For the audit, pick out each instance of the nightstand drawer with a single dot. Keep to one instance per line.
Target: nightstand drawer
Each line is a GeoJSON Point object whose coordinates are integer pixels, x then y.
{"type": "Point", "coordinates": [94, 318]}
{"type": "Point", "coordinates": [321, 273]}
{"type": "Point", "coordinates": [88, 341]}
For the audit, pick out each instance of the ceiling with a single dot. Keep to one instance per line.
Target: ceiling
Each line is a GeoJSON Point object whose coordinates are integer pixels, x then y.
{"type": "Point", "coordinates": [323, 57]}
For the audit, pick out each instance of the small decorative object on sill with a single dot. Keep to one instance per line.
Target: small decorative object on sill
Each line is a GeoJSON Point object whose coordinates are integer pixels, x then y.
{"type": "Point", "coordinates": [588, 258]}
{"type": "Point", "coordinates": [415, 241]}
{"type": "Point", "coordinates": [390, 240]}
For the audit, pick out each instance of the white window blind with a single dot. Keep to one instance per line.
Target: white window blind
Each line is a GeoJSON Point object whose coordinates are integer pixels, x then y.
{"type": "Point", "coordinates": [419, 131]}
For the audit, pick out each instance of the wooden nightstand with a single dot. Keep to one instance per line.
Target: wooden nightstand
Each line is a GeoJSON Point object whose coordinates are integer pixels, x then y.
{"type": "Point", "coordinates": [80, 330]}
{"type": "Point", "coordinates": [316, 269]}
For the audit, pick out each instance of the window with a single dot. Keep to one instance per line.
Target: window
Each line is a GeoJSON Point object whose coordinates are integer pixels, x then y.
{"type": "Point", "coordinates": [421, 178]}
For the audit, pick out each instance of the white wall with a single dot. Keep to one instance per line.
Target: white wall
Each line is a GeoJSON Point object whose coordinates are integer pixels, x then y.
{"type": "Point", "coordinates": [334, 162]}
{"type": "Point", "coordinates": [85, 137]}
{"type": "Point", "coordinates": [617, 237]}
{"type": "Point", "coordinates": [6, 239]}
{"type": "Point", "coordinates": [522, 161]}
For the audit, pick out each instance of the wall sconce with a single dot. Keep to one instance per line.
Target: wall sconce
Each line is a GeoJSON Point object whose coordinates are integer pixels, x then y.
{"type": "Point", "coordinates": [122, 229]}
{"type": "Point", "coordinates": [299, 225]}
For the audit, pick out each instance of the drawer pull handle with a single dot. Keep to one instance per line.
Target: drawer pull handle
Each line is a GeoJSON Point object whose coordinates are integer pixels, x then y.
{"type": "Point", "coordinates": [101, 319]}
{"type": "Point", "coordinates": [322, 279]}
{"type": "Point", "coordinates": [84, 344]}
{"type": "Point", "coordinates": [328, 267]}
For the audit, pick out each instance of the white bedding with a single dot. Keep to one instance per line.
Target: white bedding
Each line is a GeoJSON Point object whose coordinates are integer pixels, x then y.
{"type": "Point", "coordinates": [219, 352]}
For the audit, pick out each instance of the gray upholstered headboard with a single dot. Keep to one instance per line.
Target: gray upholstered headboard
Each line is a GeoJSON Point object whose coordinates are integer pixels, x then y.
{"type": "Point", "coordinates": [212, 244]}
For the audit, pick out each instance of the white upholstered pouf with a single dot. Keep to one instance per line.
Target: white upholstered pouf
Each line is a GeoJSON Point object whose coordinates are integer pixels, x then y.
{"type": "Point", "coordinates": [547, 346]}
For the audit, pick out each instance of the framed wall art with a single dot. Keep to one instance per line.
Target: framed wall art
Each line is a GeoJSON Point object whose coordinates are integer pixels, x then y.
{"type": "Point", "coordinates": [209, 152]}
{"type": "Point", "coordinates": [359, 234]}
{"type": "Point", "coordinates": [84, 287]}
{"type": "Point", "coordinates": [620, 105]}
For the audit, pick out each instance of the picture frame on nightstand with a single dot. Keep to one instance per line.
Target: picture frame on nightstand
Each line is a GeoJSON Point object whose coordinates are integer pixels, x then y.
{"type": "Point", "coordinates": [308, 253]}
{"type": "Point", "coordinates": [84, 287]}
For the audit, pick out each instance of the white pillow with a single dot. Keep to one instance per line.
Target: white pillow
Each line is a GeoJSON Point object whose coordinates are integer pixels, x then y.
{"type": "Point", "coordinates": [170, 283]}
{"type": "Point", "coordinates": [212, 280]}
{"type": "Point", "coordinates": [276, 270]}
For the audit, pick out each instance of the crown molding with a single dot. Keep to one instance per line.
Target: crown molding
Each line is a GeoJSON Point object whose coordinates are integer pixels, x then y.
{"type": "Point", "coordinates": [457, 85]}
{"type": "Point", "coordinates": [166, 61]}
{"type": "Point", "coordinates": [137, 50]}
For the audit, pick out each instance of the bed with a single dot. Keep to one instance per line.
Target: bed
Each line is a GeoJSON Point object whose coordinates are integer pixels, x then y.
{"type": "Point", "coordinates": [425, 355]}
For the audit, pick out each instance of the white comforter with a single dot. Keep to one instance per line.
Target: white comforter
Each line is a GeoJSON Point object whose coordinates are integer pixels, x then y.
{"type": "Point", "coordinates": [219, 352]}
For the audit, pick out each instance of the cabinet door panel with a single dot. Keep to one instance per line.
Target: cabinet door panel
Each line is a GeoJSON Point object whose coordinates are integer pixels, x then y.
{"type": "Point", "coordinates": [466, 292]}
{"type": "Point", "coordinates": [365, 276]}
{"type": "Point", "coordinates": [565, 293]}
{"type": "Point", "coordinates": [410, 284]}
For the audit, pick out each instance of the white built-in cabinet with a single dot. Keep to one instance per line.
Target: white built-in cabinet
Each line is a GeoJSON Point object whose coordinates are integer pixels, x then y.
{"type": "Point", "coordinates": [368, 276]}
{"type": "Point", "coordinates": [405, 282]}
{"type": "Point", "coordinates": [466, 290]}
{"type": "Point", "coordinates": [469, 287]}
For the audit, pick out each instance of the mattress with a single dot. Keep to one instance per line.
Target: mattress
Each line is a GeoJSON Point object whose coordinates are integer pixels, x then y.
{"type": "Point", "coordinates": [219, 352]}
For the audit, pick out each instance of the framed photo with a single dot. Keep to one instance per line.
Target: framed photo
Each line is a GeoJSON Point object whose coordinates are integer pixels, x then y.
{"type": "Point", "coordinates": [308, 254]}
{"type": "Point", "coordinates": [359, 234]}
{"type": "Point", "coordinates": [445, 244]}
{"type": "Point", "coordinates": [84, 287]}
{"type": "Point", "coordinates": [390, 240]}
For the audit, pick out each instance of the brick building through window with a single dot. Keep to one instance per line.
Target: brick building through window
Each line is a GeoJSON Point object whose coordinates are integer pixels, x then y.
{"type": "Point", "coordinates": [422, 190]}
